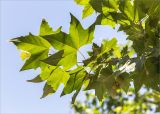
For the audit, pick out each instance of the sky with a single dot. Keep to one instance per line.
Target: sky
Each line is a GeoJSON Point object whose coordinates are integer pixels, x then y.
{"type": "Point", "coordinates": [18, 18]}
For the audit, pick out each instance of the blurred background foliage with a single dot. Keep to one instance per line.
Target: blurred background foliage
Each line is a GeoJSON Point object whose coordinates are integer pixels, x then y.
{"type": "Point", "coordinates": [144, 102]}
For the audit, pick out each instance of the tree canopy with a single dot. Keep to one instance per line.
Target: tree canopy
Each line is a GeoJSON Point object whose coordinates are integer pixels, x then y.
{"type": "Point", "coordinates": [110, 66]}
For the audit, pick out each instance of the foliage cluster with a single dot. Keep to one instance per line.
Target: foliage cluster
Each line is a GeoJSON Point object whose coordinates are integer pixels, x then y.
{"type": "Point", "coordinates": [110, 67]}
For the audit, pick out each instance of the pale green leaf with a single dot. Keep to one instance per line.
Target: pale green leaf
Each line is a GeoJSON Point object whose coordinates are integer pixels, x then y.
{"type": "Point", "coordinates": [36, 46]}
{"type": "Point", "coordinates": [45, 29]}
{"type": "Point", "coordinates": [70, 43]}
{"type": "Point", "coordinates": [82, 2]}
{"type": "Point", "coordinates": [46, 71]}
{"type": "Point", "coordinates": [57, 77]}
{"type": "Point", "coordinates": [87, 11]}
{"type": "Point", "coordinates": [107, 45]}
{"type": "Point", "coordinates": [31, 43]}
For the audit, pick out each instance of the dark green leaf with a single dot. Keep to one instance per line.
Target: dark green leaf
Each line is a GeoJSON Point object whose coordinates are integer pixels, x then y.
{"type": "Point", "coordinates": [47, 90]}
{"type": "Point", "coordinates": [75, 81]}
{"type": "Point", "coordinates": [37, 79]}
{"type": "Point", "coordinates": [54, 59]}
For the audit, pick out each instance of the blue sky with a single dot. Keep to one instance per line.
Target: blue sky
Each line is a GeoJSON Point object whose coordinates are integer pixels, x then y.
{"type": "Point", "coordinates": [18, 18]}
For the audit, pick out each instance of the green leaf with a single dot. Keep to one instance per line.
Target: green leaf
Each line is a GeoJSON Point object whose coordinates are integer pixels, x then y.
{"type": "Point", "coordinates": [138, 80]}
{"type": "Point", "coordinates": [46, 71]}
{"type": "Point", "coordinates": [36, 46]}
{"type": "Point", "coordinates": [100, 54]}
{"type": "Point", "coordinates": [147, 74]}
{"type": "Point", "coordinates": [45, 29]}
{"type": "Point", "coordinates": [79, 35]}
{"type": "Point", "coordinates": [70, 43]}
{"type": "Point", "coordinates": [82, 2]}
{"type": "Point", "coordinates": [62, 41]}
{"type": "Point", "coordinates": [138, 75]}
{"type": "Point", "coordinates": [47, 90]}
{"type": "Point", "coordinates": [54, 76]}
{"type": "Point", "coordinates": [111, 5]}
{"type": "Point", "coordinates": [87, 11]}
{"type": "Point", "coordinates": [93, 55]}
{"type": "Point", "coordinates": [75, 96]}
{"type": "Point", "coordinates": [69, 60]}
{"type": "Point", "coordinates": [75, 81]}
{"type": "Point", "coordinates": [145, 6]}
{"type": "Point", "coordinates": [124, 81]}
{"type": "Point", "coordinates": [127, 8]}
{"type": "Point", "coordinates": [120, 18]}
{"type": "Point", "coordinates": [96, 5]}
{"type": "Point", "coordinates": [54, 59]}
{"type": "Point", "coordinates": [105, 20]}
{"type": "Point", "coordinates": [103, 84]}
{"type": "Point", "coordinates": [31, 43]}
{"type": "Point", "coordinates": [35, 61]}
{"type": "Point", "coordinates": [57, 77]}
{"type": "Point", "coordinates": [107, 45]}
{"type": "Point", "coordinates": [36, 79]}
{"type": "Point", "coordinates": [152, 73]}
